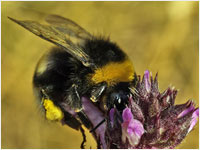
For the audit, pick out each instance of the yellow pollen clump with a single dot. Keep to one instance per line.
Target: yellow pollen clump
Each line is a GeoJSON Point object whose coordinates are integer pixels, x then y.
{"type": "Point", "coordinates": [53, 112]}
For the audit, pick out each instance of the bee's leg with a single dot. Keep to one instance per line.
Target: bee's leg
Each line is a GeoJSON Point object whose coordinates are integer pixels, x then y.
{"type": "Point", "coordinates": [84, 119]}
{"type": "Point", "coordinates": [73, 98]}
{"type": "Point", "coordinates": [44, 93]}
{"type": "Point", "coordinates": [71, 121]}
{"type": "Point", "coordinates": [97, 91]}
{"type": "Point", "coordinates": [84, 138]}
{"type": "Point", "coordinates": [74, 101]}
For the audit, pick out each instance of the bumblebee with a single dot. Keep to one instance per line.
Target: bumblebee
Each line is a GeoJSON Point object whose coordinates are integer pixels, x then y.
{"type": "Point", "coordinates": [80, 65]}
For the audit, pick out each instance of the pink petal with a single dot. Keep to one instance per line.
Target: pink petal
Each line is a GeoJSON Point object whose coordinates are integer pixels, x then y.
{"type": "Point", "coordinates": [132, 129]}
{"type": "Point", "coordinates": [111, 116]}
{"type": "Point", "coordinates": [146, 79]}
{"type": "Point", "coordinates": [95, 116]}
{"type": "Point", "coordinates": [127, 114]}
{"type": "Point", "coordinates": [187, 110]}
{"type": "Point", "coordinates": [137, 127]}
{"type": "Point", "coordinates": [195, 116]}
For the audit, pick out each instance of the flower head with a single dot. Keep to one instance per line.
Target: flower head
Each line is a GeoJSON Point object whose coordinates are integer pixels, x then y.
{"type": "Point", "coordinates": [150, 120]}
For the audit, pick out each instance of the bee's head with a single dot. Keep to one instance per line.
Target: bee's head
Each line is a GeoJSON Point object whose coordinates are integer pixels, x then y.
{"type": "Point", "coordinates": [119, 97]}
{"type": "Point", "coordinates": [120, 100]}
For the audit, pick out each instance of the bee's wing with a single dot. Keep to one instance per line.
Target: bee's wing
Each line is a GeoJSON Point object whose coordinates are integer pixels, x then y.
{"type": "Point", "coordinates": [68, 27]}
{"type": "Point", "coordinates": [53, 35]}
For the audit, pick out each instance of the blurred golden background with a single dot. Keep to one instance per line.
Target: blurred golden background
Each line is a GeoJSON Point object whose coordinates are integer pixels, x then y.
{"type": "Point", "coordinates": [159, 36]}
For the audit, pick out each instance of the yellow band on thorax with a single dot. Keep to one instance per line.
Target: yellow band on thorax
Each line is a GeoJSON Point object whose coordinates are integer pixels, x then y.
{"type": "Point", "coordinates": [114, 72]}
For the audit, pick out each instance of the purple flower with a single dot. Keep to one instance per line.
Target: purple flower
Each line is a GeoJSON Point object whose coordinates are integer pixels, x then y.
{"type": "Point", "coordinates": [151, 119]}
{"type": "Point", "coordinates": [132, 129]}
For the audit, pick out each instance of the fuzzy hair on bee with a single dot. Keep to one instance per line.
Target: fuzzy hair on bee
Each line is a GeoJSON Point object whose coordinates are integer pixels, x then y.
{"type": "Point", "coordinates": [92, 67]}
